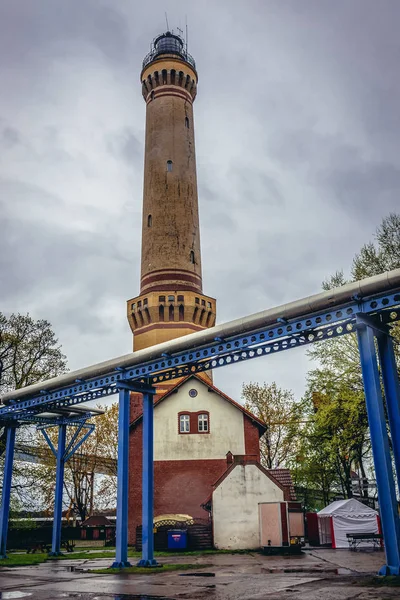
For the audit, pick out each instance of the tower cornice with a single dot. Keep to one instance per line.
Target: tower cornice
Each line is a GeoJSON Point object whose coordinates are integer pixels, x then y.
{"type": "Point", "coordinates": [168, 73]}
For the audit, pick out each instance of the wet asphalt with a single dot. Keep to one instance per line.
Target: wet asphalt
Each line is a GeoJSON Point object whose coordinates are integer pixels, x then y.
{"type": "Point", "coordinates": [316, 575]}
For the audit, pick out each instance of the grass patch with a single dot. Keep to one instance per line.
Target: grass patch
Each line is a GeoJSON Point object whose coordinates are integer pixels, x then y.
{"type": "Point", "coordinates": [83, 555]}
{"type": "Point", "coordinates": [151, 570]}
{"type": "Point", "coordinates": [22, 560]}
{"type": "Point", "coordinates": [387, 581]}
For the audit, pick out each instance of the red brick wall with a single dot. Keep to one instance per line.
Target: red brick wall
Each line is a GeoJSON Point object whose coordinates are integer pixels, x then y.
{"type": "Point", "coordinates": [251, 437]}
{"type": "Point", "coordinates": [180, 486]}
{"type": "Point", "coordinates": [136, 407]}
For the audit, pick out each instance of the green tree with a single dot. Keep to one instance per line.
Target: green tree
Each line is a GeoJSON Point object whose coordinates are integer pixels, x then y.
{"type": "Point", "coordinates": [281, 414]}
{"type": "Point", "coordinates": [29, 353]}
{"type": "Point", "coordinates": [340, 417]}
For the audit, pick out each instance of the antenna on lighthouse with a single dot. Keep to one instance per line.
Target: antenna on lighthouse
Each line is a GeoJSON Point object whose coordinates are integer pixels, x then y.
{"type": "Point", "coordinates": [166, 20]}
{"type": "Point", "coordinates": [186, 33]}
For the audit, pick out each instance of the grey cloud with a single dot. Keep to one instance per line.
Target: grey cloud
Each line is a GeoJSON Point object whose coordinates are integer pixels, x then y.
{"type": "Point", "coordinates": [126, 145]}
{"type": "Point", "coordinates": [31, 29]}
{"type": "Point", "coordinates": [10, 137]}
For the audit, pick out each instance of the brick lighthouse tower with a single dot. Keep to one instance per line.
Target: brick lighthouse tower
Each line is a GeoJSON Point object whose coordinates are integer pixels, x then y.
{"type": "Point", "coordinates": [171, 301]}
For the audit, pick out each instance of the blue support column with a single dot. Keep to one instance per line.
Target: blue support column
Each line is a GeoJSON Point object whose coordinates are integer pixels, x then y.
{"type": "Point", "coordinates": [121, 552]}
{"type": "Point", "coordinates": [148, 484]}
{"type": "Point", "coordinates": [392, 394]}
{"type": "Point", "coordinates": [60, 466]}
{"type": "Point", "coordinates": [6, 492]}
{"type": "Point", "coordinates": [380, 450]}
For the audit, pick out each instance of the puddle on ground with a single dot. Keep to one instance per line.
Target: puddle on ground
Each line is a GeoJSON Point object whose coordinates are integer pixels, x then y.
{"type": "Point", "coordinates": [197, 574]}
{"type": "Point", "coordinates": [130, 597]}
{"type": "Point", "coordinates": [340, 571]}
{"type": "Point", "coordinates": [14, 595]}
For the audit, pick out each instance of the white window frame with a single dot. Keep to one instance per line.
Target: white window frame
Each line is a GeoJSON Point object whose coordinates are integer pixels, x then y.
{"type": "Point", "coordinates": [203, 423]}
{"type": "Point", "coordinates": [184, 423]}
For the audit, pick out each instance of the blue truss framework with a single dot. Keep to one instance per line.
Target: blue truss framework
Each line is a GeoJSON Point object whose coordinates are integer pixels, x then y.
{"type": "Point", "coordinates": [62, 454]}
{"type": "Point", "coordinates": [277, 338]}
{"type": "Point", "coordinates": [369, 318]}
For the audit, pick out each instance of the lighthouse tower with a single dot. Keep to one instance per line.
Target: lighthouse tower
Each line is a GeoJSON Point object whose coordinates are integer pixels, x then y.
{"type": "Point", "coordinates": [171, 301]}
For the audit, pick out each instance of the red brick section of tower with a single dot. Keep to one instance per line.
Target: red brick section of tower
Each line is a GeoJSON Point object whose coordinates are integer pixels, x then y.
{"type": "Point", "coordinates": [171, 302]}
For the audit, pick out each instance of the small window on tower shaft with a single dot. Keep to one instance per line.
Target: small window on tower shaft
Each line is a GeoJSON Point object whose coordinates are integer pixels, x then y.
{"type": "Point", "coordinates": [149, 221]}
{"type": "Point", "coordinates": [192, 257]}
{"type": "Point", "coordinates": [187, 122]}
{"type": "Point", "coordinates": [169, 166]}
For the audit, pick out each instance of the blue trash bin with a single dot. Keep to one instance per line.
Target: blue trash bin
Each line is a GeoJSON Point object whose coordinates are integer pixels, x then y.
{"type": "Point", "coordinates": [177, 539]}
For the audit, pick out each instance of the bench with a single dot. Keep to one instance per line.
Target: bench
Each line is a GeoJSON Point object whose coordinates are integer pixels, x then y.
{"type": "Point", "coordinates": [45, 547]}
{"type": "Point", "coordinates": [38, 545]}
{"type": "Point", "coordinates": [356, 539]}
{"type": "Point", "coordinates": [69, 545]}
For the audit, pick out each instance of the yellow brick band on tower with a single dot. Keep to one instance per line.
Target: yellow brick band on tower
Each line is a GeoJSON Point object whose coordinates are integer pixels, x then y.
{"type": "Point", "coordinates": [171, 302]}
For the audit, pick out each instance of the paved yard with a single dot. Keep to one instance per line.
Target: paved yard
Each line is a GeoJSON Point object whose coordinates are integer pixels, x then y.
{"type": "Point", "coordinates": [316, 575]}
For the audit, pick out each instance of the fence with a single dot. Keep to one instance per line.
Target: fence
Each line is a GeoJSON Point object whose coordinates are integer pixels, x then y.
{"type": "Point", "coordinates": [199, 535]}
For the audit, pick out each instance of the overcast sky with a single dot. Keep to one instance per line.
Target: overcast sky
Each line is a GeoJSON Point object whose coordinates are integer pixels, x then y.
{"type": "Point", "coordinates": [298, 155]}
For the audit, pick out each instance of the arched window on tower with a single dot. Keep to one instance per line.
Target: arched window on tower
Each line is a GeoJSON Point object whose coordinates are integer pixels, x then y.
{"type": "Point", "coordinates": [192, 257]}
{"type": "Point", "coordinates": [152, 95]}
{"type": "Point", "coordinates": [161, 312]}
{"type": "Point", "coordinates": [181, 312]}
{"type": "Point", "coordinates": [164, 76]}
{"type": "Point", "coordinates": [171, 313]}
{"type": "Point", "coordinates": [149, 221]}
{"type": "Point", "coordinates": [169, 166]}
{"type": "Point", "coordinates": [187, 122]}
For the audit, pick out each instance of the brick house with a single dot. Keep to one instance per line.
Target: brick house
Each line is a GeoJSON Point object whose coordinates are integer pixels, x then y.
{"type": "Point", "coordinates": [198, 433]}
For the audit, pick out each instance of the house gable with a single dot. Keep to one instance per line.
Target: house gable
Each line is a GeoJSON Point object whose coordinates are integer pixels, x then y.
{"type": "Point", "coordinates": [193, 397]}
{"type": "Point", "coordinates": [235, 502]}
{"type": "Point", "coordinates": [137, 405]}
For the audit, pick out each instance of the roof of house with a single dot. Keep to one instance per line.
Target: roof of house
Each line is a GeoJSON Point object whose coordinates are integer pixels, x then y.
{"type": "Point", "coordinates": [284, 477]}
{"type": "Point", "coordinates": [97, 521]}
{"type": "Point", "coordinates": [211, 388]}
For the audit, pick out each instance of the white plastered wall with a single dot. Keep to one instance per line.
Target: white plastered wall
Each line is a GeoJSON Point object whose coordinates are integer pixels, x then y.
{"type": "Point", "coordinates": [235, 507]}
{"type": "Point", "coordinates": [226, 426]}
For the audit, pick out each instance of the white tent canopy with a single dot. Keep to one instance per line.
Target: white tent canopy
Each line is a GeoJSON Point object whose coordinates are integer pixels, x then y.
{"type": "Point", "coordinates": [345, 516]}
